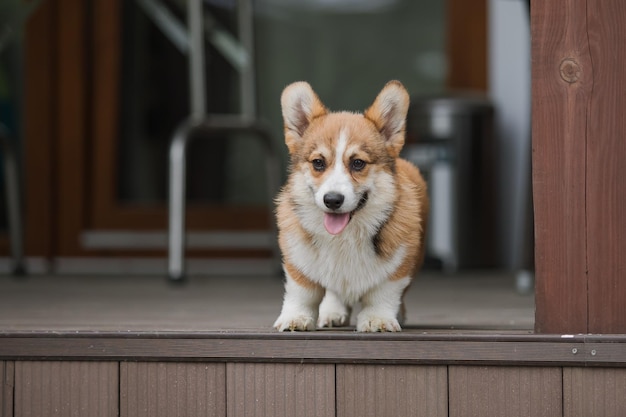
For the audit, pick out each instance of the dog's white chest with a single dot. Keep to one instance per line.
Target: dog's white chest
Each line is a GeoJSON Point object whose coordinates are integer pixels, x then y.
{"type": "Point", "coordinates": [344, 264]}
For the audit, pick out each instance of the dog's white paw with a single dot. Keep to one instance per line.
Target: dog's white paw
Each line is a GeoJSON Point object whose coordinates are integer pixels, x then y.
{"type": "Point", "coordinates": [333, 319]}
{"type": "Point", "coordinates": [372, 323]}
{"type": "Point", "coordinates": [294, 323]}
{"type": "Point", "coordinates": [333, 312]}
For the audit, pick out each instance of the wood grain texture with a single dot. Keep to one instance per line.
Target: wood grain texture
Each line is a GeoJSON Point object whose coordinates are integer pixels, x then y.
{"type": "Point", "coordinates": [606, 170]}
{"type": "Point", "coordinates": [7, 376]}
{"type": "Point", "coordinates": [324, 347]}
{"type": "Point", "coordinates": [154, 389]}
{"type": "Point", "coordinates": [50, 388]}
{"type": "Point", "coordinates": [505, 391]}
{"type": "Point", "coordinates": [392, 390]}
{"type": "Point", "coordinates": [280, 390]}
{"type": "Point", "coordinates": [594, 392]}
{"type": "Point", "coordinates": [562, 74]}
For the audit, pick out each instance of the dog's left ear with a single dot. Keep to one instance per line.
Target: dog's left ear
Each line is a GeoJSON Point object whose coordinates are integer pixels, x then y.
{"type": "Point", "coordinates": [300, 105]}
{"type": "Point", "coordinates": [389, 115]}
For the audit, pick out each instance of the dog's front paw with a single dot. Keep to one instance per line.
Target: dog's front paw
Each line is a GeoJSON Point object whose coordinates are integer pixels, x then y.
{"type": "Point", "coordinates": [333, 312]}
{"type": "Point", "coordinates": [333, 319]}
{"type": "Point", "coordinates": [294, 323]}
{"type": "Point", "coordinates": [372, 323]}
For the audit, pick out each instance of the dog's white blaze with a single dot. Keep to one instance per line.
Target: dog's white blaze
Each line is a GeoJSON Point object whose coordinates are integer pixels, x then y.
{"type": "Point", "coordinates": [338, 179]}
{"type": "Point", "coordinates": [380, 186]}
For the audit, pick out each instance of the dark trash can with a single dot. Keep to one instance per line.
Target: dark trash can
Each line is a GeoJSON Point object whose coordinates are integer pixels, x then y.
{"type": "Point", "coordinates": [450, 138]}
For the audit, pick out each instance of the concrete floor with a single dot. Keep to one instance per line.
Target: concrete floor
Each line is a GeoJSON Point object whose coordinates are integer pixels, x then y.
{"type": "Point", "coordinates": [477, 300]}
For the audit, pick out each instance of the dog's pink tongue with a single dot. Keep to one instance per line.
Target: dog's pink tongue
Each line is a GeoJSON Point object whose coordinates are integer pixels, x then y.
{"type": "Point", "coordinates": [335, 223]}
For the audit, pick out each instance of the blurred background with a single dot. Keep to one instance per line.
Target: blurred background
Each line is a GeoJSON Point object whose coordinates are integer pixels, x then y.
{"type": "Point", "coordinates": [91, 92]}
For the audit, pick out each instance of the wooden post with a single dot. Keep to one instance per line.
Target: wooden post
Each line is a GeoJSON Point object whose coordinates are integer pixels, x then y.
{"type": "Point", "coordinates": [579, 180]}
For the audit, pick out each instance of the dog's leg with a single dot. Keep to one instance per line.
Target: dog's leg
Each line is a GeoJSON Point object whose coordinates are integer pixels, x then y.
{"type": "Point", "coordinates": [300, 306]}
{"type": "Point", "coordinates": [381, 307]}
{"type": "Point", "coordinates": [333, 312]}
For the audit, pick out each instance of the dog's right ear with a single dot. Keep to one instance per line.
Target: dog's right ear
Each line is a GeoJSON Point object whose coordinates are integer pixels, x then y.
{"type": "Point", "coordinates": [389, 115]}
{"type": "Point", "coordinates": [300, 105]}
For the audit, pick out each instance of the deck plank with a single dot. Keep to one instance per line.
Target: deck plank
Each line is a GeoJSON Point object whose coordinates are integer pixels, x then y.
{"type": "Point", "coordinates": [280, 390]}
{"type": "Point", "coordinates": [505, 391]}
{"type": "Point", "coordinates": [393, 390]}
{"type": "Point", "coordinates": [594, 392]}
{"type": "Point", "coordinates": [154, 389]}
{"type": "Point", "coordinates": [50, 388]}
{"type": "Point", "coordinates": [329, 347]}
{"type": "Point", "coordinates": [147, 303]}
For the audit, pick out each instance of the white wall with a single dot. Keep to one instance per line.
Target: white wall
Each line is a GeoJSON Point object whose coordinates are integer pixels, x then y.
{"type": "Point", "coordinates": [510, 90]}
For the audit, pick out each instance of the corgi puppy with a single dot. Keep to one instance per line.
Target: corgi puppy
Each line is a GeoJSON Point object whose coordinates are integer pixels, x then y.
{"type": "Point", "coordinates": [352, 215]}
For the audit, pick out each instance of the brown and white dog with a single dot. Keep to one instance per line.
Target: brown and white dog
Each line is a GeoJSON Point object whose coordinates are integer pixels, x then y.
{"type": "Point", "coordinates": [352, 215]}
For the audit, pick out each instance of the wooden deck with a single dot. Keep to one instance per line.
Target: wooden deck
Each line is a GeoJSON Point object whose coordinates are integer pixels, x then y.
{"type": "Point", "coordinates": [485, 300]}
{"type": "Point", "coordinates": [135, 346]}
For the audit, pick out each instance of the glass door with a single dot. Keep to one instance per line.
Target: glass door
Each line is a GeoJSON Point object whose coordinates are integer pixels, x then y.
{"type": "Point", "coordinates": [105, 90]}
{"type": "Point", "coordinates": [140, 95]}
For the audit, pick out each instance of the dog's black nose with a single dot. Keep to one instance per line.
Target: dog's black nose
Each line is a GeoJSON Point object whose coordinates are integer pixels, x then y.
{"type": "Point", "coordinates": [333, 200]}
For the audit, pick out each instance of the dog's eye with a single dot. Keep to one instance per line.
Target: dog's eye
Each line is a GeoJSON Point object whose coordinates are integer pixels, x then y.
{"type": "Point", "coordinates": [357, 164]}
{"type": "Point", "coordinates": [318, 164]}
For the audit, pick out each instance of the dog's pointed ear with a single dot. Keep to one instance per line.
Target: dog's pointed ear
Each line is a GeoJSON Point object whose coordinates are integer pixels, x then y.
{"type": "Point", "coordinates": [300, 105]}
{"type": "Point", "coordinates": [389, 114]}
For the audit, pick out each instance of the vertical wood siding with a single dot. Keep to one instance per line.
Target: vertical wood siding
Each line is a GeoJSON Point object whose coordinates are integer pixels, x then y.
{"type": "Point", "coordinates": [103, 389]}
{"type": "Point", "coordinates": [578, 171]}
{"type": "Point", "coordinates": [594, 392]}
{"type": "Point", "coordinates": [606, 170]}
{"type": "Point", "coordinates": [280, 390]}
{"type": "Point", "coordinates": [172, 389]}
{"type": "Point", "coordinates": [392, 390]}
{"type": "Point", "coordinates": [560, 107]}
{"type": "Point", "coordinates": [505, 391]}
{"type": "Point", "coordinates": [6, 389]}
{"type": "Point", "coordinates": [66, 389]}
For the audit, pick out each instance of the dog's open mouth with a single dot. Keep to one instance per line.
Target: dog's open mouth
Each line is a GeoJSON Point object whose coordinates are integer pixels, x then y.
{"type": "Point", "coordinates": [335, 223]}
